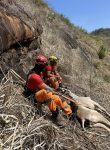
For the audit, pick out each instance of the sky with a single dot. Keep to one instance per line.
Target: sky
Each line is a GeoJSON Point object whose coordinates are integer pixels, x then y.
{"type": "Point", "coordinates": [87, 14]}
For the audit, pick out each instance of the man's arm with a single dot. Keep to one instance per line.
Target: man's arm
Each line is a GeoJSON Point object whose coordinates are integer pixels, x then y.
{"type": "Point", "coordinates": [46, 87]}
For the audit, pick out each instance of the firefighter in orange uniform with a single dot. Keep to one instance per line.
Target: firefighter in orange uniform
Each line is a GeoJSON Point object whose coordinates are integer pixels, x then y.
{"type": "Point", "coordinates": [44, 93]}
{"type": "Point", "coordinates": [50, 73]}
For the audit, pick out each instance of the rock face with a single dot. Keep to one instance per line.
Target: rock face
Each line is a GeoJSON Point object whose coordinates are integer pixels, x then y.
{"type": "Point", "coordinates": [13, 30]}
{"type": "Point", "coordinates": [18, 30]}
{"type": "Point", "coordinates": [16, 25]}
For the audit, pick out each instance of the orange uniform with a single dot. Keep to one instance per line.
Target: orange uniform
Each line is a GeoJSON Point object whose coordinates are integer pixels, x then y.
{"type": "Point", "coordinates": [49, 74]}
{"type": "Point", "coordinates": [35, 82]}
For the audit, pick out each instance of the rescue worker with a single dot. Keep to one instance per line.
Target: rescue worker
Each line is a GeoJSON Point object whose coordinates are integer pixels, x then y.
{"type": "Point", "coordinates": [50, 74]}
{"type": "Point", "coordinates": [44, 93]}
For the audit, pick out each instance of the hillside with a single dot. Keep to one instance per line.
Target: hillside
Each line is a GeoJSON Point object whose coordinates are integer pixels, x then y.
{"type": "Point", "coordinates": [82, 71]}
{"type": "Point", "coordinates": [104, 34]}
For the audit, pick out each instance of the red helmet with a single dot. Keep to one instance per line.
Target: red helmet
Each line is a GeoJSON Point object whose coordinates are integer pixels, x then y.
{"type": "Point", "coordinates": [42, 60]}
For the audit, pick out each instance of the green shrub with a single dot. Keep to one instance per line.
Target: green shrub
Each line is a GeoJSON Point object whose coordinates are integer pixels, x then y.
{"type": "Point", "coordinates": [101, 52]}
{"type": "Point", "coordinates": [52, 16]}
{"type": "Point", "coordinates": [40, 3]}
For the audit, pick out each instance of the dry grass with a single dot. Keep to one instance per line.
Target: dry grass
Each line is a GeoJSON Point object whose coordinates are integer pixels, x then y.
{"type": "Point", "coordinates": [21, 127]}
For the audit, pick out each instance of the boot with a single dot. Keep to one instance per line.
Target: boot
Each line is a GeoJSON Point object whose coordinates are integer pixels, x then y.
{"type": "Point", "coordinates": [58, 119]}
{"type": "Point", "coordinates": [55, 114]}
{"type": "Point", "coordinates": [74, 108]}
